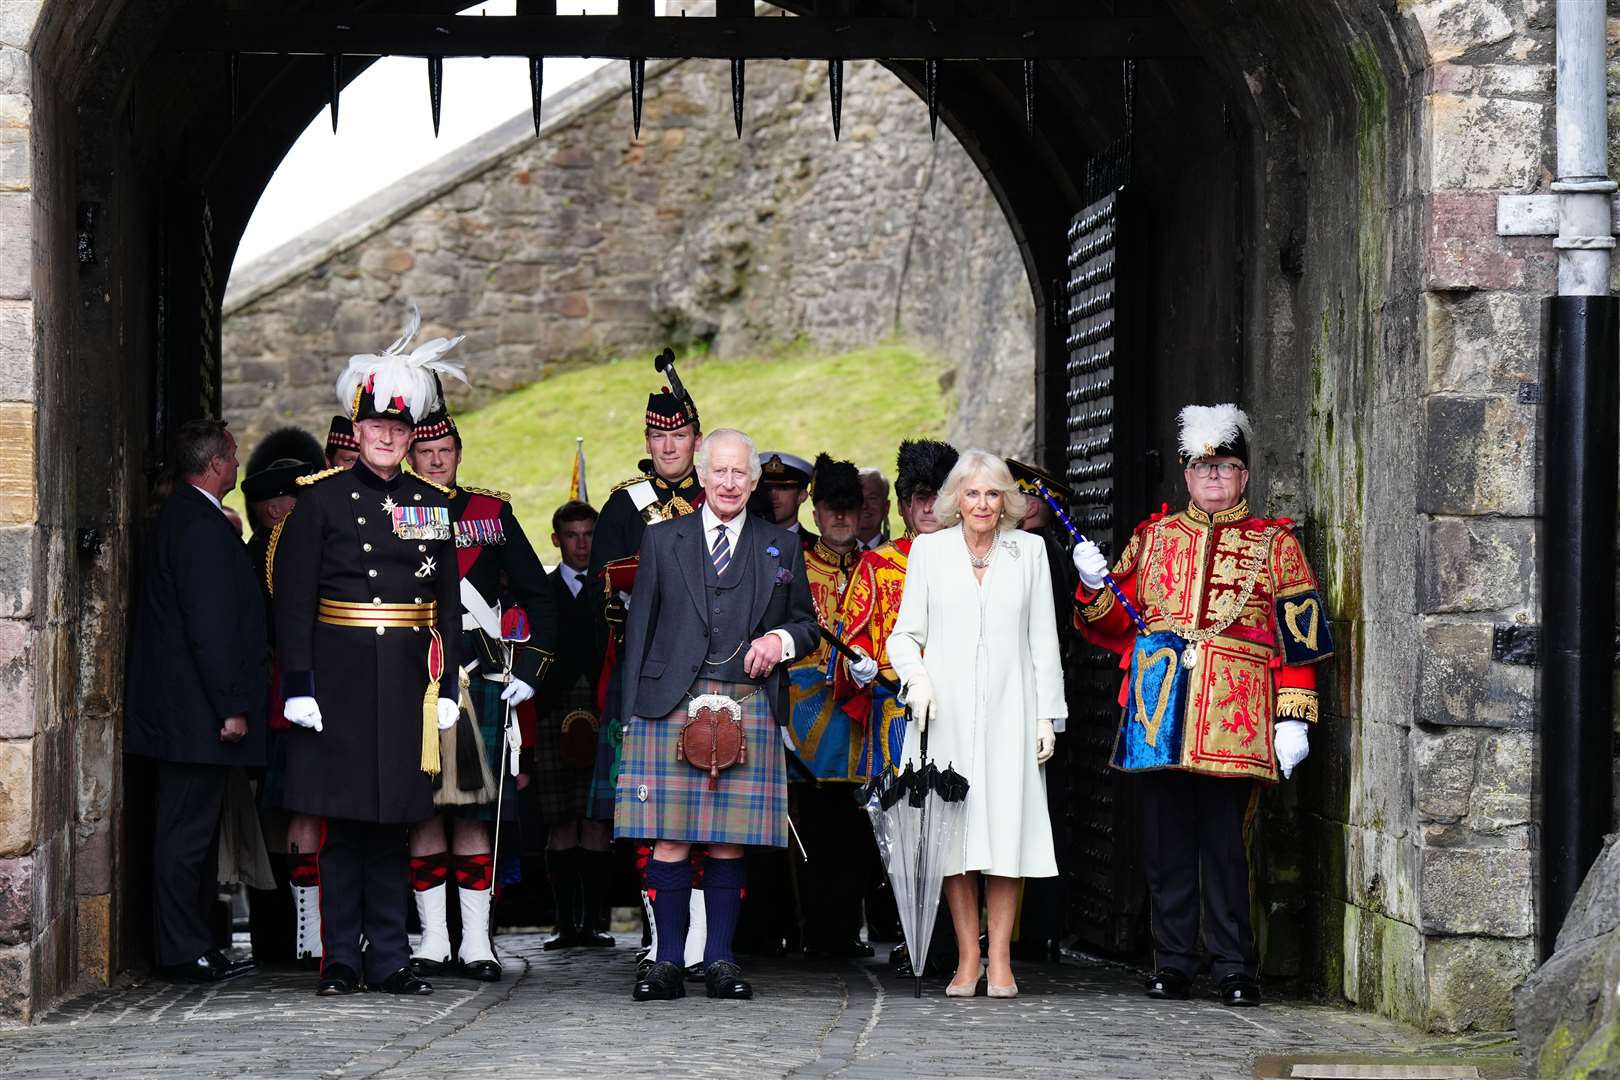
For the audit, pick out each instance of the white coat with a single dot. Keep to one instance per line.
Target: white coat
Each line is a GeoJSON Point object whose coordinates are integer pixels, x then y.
{"type": "Point", "coordinates": [990, 650]}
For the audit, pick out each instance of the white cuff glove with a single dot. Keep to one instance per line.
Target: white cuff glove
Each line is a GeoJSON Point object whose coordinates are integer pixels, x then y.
{"type": "Point", "coordinates": [919, 696]}
{"type": "Point", "coordinates": [1045, 741]}
{"type": "Point", "coordinates": [1091, 565]}
{"type": "Point", "coordinates": [864, 670]}
{"type": "Point", "coordinates": [449, 709]}
{"type": "Point", "coordinates": [302, 711]}
{"type": "Point", "coordinates": [517, 692]}
{"type": "Point", "coordinates": [1293, 743]}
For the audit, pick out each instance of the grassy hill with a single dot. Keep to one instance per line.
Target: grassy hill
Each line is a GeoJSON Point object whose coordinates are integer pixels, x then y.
{"type": "Point", "coordinates": [855, 405]}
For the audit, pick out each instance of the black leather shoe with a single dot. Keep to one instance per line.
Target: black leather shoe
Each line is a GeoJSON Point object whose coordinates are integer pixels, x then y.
{"type": "Point", "coordinates": [232, 967]}
{"type": "Point", "coordinates": [562, 939]}
{"type": "Point", "coordinates": [593, 939]}
{"type": "Point", "coordinates": [404, 982]}
{"type": "Point", "coordinates": [204, 969]}
{"type": "Point", "coordinates": [1168, 984]}
{"type": "Point", "coordinates": [1240, 991]}
{"type": "Point", "coordinates": [337, 980]}
{"type": "Point", "coordinates": [725, 980]}
{"type": "Point", "coordinates": [483, 970]}
{"type": "Point", "coordinates": [421, 965]}
{"type": "Point", "coordinates": [644, 965]}
{"type": "Point", "coordinates": [663, 982]}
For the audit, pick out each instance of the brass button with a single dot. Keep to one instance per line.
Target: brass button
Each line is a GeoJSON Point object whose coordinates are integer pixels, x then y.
{"type": "Point", "coordinates": [417, 496]}
{"type": "Point", "coordinates": [361, 521]}
{"type": "Point", "coordinates": [354, 494]}
{"type": "Point", "coordinates": [371, 573]}
{"type": "Point", "coordinates": [379, 631]}
{"type": "Point", "coordinates": [366, 547]}
{"type": "Point", "coordinates": [377, 600]}
{"type": "Point", "coordinates": [416, 599]}
{"type": "Point", "coordinates": [421, 547]}
{"type": "Point", "coordinates": [416, 629]}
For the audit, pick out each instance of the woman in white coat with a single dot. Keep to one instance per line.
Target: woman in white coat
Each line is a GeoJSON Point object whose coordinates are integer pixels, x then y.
{"type": "Point", "coordinates": [976, 648]}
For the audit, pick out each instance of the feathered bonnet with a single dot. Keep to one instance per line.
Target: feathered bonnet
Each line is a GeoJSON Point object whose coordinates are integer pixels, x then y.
{"type": "Point", "coordinates": [1215, 431]}
{"type": "Point", "coordinates": [922, 464]}
{"type": "Point", "coordinates": [396, 384]}
{"type": "Point", "coordinates": [280, 458]}
{"type": "Point", "coordinates": [836, 484]}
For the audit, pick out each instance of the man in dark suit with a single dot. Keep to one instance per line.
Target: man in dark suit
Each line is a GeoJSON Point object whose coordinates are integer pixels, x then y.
{"type": "Point", "coordinates": [721, 603]}
{"type": "Point", "coordinates": [198, 676]}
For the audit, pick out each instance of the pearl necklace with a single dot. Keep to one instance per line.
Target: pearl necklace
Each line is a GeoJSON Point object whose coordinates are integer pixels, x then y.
{"type": "Point", "coordinates": [980, 562]}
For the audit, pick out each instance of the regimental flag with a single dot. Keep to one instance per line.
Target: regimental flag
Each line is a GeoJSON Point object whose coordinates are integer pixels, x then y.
{"type": "Point", "coordinates": [576, 486]}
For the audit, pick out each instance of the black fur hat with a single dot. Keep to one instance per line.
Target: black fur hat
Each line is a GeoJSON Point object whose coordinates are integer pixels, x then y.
{"type": "Point", "coordinates": [836, 484]}
{"type": "Point", "coordinates": [922, 463]}
{"type": "Point", "coordinates": [280, 459]}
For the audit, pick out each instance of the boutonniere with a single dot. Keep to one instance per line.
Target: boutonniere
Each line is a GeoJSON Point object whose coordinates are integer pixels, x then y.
{"type": "Point", "coordinates": [773, 551]}
{"type": "Point", "coordinates": [782, 575]}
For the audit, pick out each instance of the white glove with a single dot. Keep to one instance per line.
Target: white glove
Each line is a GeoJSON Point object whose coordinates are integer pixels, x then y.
{"type": "Point", "coordinates": [919, 696]}
{"type": "Point", "coordinates": [1091, 564]}
{"type": "Point", "coordinates": [302, 711]}
{"type": "Point", "coordinates": [1293, 743]}
{"type": "Point", "coordinates": [449, 709]}
{"type": "Point", "coordinates": [864, 670]}
{"type": "Point", "coordinates": [517, 692]}
{"type": "Point", "coordinates": [1045, 741]}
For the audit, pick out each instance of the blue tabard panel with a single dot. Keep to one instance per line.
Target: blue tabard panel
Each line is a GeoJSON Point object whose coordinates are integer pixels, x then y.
{"type": "Point", "coordinates": [1155, 709]}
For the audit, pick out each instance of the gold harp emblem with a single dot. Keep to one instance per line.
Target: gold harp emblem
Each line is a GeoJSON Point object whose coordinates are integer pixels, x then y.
{"type": "Point", "coordinates": [1150, 733]}
{"type": "Point", "coordinates": [1293, 612]}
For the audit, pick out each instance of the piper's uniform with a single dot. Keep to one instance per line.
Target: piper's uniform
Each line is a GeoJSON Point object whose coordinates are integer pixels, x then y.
{"type": "Point", "coordinates": [1237, 591]}
{"type": "Point", "coordinates": [365, 589]}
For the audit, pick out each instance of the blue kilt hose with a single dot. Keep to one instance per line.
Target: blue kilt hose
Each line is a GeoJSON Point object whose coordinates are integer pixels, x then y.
{"type": "Point", "coordinates": [663, 798]}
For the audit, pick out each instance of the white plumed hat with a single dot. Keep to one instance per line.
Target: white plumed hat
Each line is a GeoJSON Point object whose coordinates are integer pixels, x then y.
{"type": "Point", "coordinates": [395, 384]}
{"type": "Point", "coordinates": [1215, 431]}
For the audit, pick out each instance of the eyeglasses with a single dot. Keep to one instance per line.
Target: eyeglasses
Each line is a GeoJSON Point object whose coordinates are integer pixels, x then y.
{"type": "Point", "coordinates": [1224, 469]}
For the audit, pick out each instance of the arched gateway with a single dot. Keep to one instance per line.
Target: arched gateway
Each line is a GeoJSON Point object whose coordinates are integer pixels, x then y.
{"type": "Point", "coordinates": [1298, 207]}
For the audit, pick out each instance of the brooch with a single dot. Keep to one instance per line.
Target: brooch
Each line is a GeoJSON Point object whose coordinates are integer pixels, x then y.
{"type": "Point", "coordinates": [773, 551]}
{"type": "Point", "coordinates": [1010, 547]}
{"type": "Point", "coordinates": [641, 792]}
{"type": "Point", "coordinates": [782, 576]}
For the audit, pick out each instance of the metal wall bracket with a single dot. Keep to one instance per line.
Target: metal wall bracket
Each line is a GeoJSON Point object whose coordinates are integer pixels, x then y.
{"type": "Point", "coordinates": [1516, 643]}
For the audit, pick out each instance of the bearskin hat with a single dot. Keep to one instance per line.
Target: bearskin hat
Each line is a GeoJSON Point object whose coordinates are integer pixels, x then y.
{"type": "Point", "coordinates": [922, 463]}
{"type": "Point", "coordinates": [280, 458]}
{"type": "Point", "coordinates": [836, 484]}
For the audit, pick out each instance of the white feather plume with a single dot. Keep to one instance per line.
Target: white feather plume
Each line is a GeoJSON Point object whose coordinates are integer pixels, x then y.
{"type": "Point", "coordinates": [1207, 428]}
{"type": "Point", "coordinates": [396, 373]}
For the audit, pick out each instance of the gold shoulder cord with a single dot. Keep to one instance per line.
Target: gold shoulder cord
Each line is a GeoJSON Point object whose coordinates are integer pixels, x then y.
{"type": "Point", "coordinates": [270, 554]}
{"type": "Point", "coordinates": [313, 478]}
{"type": "Point", "coordinates": [501, 495]}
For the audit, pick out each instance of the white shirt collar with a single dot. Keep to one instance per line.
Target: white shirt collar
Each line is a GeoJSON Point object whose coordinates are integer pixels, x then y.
{"type": "Point", "coordinates": [574, 579]}
{"type": "Point", "coordinates": [711, 522]}
{"type": "Point", "coordinates": [209, 495]}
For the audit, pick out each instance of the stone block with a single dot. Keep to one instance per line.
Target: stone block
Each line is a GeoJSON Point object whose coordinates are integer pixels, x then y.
{"type": "Point", "coordinates": [1482, 342]}
{"type": "Point", "coordinates": [16, 973]}
{"type": "Point", "coordinates": [1476, 564]}
{"type": "Point", "coordinates": [1561, 1012]}
{"type": "Point", "coordinates": [1529, 81]}
{"type": "Point", "coordinates": [17, 504]}
{"type": "Point", "coordinates": [1453, 27]}
{"type": "Point", "coordinates": [570, 305]}
{"type": "Point", "coordinates": [93, 922]}
{"type": "Point", "coordinates": [1443, 764]}
{"type": "Point", "coordinates": [1460, 685]}
{"type": "Point", "coordinates": [17, 19]}
{"type": "Point", "coordinates": [1595, 911]}
{"type": "Point", "coordinates": [16, 899]}
{"type": "Point", "coordinates": [1471, 981]}
{"type": "Point", "coordinates": [1383, 964]}
{"type": "Point", "coordinates": [17, 226]}
{"type": "Point", "coordinates": [16, 143]}
{"type": "Point", "coordinates": [1476, 891]}
{"type": "Point", "coordinates": [16, 679]}
{"type": "Point", "coordinates": [16, 350]}
{"type": "Point", "coordinates": [1463, 250]}
{"type": "Point", "coordinates": [16, 796]}
{"type": "Point", "coordinates": [1485, 144]}
{"type": "Point", "coordinates": [1479, 457]}
{"type": "Point", "coordinates": [16, 572]}
{"type": "Point", "coordinates": [1503, 782]}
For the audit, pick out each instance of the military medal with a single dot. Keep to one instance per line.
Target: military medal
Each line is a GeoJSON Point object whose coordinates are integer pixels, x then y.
{"type": "Point", "coordinates": [389, 505]}
{"type": "Point", "coordinates": [421, 522]}
{"type": "Point", "coordinates": [1189, 656]}
{"type": "Point", "coordinates": [426, 569]}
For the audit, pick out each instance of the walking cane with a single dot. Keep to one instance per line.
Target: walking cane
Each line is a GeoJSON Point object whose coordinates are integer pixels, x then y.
{"type": "Point", "coordinates": [514, 630]}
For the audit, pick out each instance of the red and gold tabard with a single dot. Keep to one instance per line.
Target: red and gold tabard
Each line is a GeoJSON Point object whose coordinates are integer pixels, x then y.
{"type": "Point", "coordinates": [825, 740]}
{"type": "Point", "coordinates": [1238, 590]}
{"type": "Point", "coordinates": [871, 607]}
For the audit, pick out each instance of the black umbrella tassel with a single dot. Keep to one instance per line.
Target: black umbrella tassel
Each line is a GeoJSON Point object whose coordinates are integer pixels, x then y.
{"type": "Point", "coordinates": [336, 87]}
{"type": "Point", "coordinates": [638, 86]}
{"type": "Point", "coordinates": [1031, 70]}
{"type": "Point", "coordinates": [435, 88]}
{"type": "Point", "coordinates": [931, 81]}
{"type": "Point", "coordinates": [235, 66]}
{"type": "Point", "coordinates": [537, 75]}
{"type": "Point", "coordinates": [835, 87]}
{"type": "Point", "coordinates": [737, 93]}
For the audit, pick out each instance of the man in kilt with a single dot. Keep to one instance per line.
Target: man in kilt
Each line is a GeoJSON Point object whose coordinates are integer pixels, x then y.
{"type": "Point", "coordinates": [577, 858]}
{"type": "Point", "coordinates": [367, 624]}
{"type": "Point", "coordinates": [494, 559]}
{"type": "Point", "coordinates": [721, 603]}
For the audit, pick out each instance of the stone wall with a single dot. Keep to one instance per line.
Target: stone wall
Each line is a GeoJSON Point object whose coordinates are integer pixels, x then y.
{"type": "Point", "coordinates": [591, 242]}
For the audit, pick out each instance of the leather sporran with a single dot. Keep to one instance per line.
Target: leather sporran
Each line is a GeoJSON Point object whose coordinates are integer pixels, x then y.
{"type": "Point", "coordinates": [712, 739]}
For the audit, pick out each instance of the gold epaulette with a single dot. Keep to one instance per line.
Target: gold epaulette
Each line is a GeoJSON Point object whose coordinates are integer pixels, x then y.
{"type": "Point", "coordinates": [504, 496]}
{"type": "Point", "coordinates": [450, 492]}
{"type": "Point", "coordinates": [637, 479]}
{"type": "Point", "coordinates": [305, 481]}
{"type": "Point", "coordinates": [270, 553]}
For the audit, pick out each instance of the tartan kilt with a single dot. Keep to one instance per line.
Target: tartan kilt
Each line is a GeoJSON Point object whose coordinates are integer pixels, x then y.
{"type": "Point", "coordinates": [491, 712]}
{"type": "Point", "coordinates": [665, 799]}
{"type": "Point", "coordinates": [561, 792]}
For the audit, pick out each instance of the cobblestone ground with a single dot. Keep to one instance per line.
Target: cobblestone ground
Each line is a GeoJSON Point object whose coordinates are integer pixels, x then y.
{"type": "Point", "coordinates": [570, 1015]}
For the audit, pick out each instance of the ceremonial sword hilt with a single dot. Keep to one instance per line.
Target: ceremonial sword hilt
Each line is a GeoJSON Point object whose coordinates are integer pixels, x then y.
{"type": "Point", "coordinates": [1079, 538]}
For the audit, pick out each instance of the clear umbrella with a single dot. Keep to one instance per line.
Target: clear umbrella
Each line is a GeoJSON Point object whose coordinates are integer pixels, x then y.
{"type": "Point", "coordinates": [917, 817]}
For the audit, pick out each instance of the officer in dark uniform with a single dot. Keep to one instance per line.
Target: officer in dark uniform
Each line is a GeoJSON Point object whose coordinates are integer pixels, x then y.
{"type": "Point", "coordinates": [368, 623]}
{"type": "Point", "coordinates": [495, 561]}
{"type": "Point", "coordinates": [784, 485]}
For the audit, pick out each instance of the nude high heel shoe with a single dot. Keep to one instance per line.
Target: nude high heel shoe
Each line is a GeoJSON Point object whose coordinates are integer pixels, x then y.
{"type": "Point", "coordinates": [1008, 991]}
{"type": "Point", "coordinates": [966, 990]}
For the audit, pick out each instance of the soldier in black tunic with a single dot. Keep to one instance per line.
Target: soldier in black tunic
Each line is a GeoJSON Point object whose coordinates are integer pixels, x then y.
{"type": "Point", "coordinates": [496, 562]}
{"type": "Point", "coordinates": [368, 623]}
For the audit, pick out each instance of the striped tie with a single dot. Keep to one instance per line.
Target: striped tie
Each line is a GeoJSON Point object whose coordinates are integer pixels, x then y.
{"type": "Point", "coordinates": [722, 550]}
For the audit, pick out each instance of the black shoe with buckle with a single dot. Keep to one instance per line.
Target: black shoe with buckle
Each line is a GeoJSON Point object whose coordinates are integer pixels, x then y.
{"type": "Point", "coordinates": [1240, 991]}
{"type": "Point", "coordinates": [724, 979]}
{"type": "Point", "coordinates": [337, 980]}
{"type": "Point", "coordinates": [1168, 984]}
{"type": "Point", "coordinates": [405, 983]}
{"type": "Point", "coordinates": [663, 982]}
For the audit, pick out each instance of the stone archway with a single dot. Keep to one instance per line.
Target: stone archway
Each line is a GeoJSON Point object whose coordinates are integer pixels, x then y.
{"type": "Point", "coordinates": [1321, 189]}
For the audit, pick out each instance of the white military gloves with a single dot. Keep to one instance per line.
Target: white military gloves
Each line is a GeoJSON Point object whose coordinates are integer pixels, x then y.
{"type": "Point", "coordinates": [919, 697]}
{"type": "Point", "coordinates": [449, 709]}
{"type": "Point", "coordinates": [864, 670]}
{"type": "Point", "coordinates": [1045, 741]}
{"type": "Point", "coordinates": [302, 711]}
{"type": "Point", "coordinates": [1091, 565]}
{"type": "Point", "coordinates": [1293, 743]}
{"type": "Point", "coordinates": [517, 692]}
